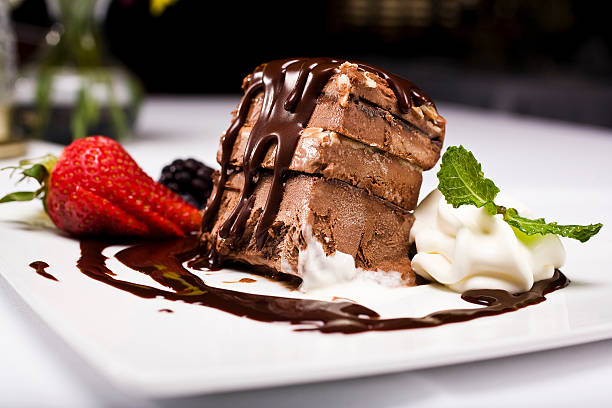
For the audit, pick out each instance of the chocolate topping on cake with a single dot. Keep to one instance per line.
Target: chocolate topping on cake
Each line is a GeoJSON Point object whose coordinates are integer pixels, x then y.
{"type": "Point", "coordinates": [290, 88]}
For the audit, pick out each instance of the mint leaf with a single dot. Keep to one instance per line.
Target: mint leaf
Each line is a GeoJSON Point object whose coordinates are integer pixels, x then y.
{"type": "Point", "coordinates": [462, 180]}
{"type": "Point", "coordinates": [539, 226]}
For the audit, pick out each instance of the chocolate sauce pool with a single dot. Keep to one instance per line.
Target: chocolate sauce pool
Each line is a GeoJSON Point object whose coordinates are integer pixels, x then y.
{"type": "Point", "coordinates": [39, 267]}
{"type": "Point", "coordinates": [163, 262]}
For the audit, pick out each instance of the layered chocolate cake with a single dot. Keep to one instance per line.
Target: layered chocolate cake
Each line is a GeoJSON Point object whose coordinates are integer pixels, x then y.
{"type": "Point", "coordinates": [320, 172]}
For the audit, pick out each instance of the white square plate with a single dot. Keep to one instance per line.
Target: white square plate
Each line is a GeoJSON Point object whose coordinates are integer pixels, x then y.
{"type": "Point", "coordinates": [561, 172]}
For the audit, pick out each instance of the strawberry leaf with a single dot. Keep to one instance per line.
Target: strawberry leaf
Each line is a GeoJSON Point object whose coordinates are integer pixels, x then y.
{"type": "Point", "coordinates": [19, 196]}
{"type": "Point", "coordinates": [37, 171]}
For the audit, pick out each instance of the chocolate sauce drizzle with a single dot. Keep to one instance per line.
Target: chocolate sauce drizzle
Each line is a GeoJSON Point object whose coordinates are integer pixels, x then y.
{"type": "Point", "coordinates": [290, 88]}
{"type": "Point", "coordinates": [163, 262]}
{"type": "Point", "coordinates": [39, 267]}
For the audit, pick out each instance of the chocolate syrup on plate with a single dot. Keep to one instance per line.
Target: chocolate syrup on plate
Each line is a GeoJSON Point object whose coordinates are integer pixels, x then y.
{"type": "Point", "coordinates": [290, 90]}
{"type": "Point", "coordinates": [39, 267]}
{"type": "Point", "coordinates": [243, 280]}
{"type": "Point", "coordinates": [163, 262]}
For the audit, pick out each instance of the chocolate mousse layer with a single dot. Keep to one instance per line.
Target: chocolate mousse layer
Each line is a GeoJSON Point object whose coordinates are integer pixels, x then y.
{"type": "Point", "coordinates": [331, 155]}
{"type": "Point", "coordinates": [339, 216]}
{"type": "Point", "coordinates": [376, 127]}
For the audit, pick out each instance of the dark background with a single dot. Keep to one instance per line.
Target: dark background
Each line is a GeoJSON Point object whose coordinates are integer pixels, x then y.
{"type": "Point", "coordinates": [551, 58]}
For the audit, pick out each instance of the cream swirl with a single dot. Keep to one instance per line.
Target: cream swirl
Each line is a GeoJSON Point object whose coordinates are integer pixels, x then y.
{"type": "Point", "coordinates": [466, 248]}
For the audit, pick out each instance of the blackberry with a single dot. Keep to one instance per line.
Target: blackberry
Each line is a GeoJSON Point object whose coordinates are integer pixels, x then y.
{"type": "Point", "coordinates": [190, 178]}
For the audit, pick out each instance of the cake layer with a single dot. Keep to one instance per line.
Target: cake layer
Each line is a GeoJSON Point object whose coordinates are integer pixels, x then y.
{"type": "Point", "coordinates": [360, 105]}
{"type": "Point", "coordinates": [374, 126]}
{"type": "Point", "coordinates": [341, 218]}
{"type": "Point", "coordinates": [337, 157]}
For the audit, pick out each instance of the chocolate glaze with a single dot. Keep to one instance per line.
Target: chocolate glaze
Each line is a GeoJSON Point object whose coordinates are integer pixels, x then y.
{"type": "Point", "coordinates": [166, 310]}
{"type": "Point", "coordinates": [291, 88]}
{"type": "Point", "coordinates": [163, 262]}
{"type": "Point", "coordinates": [39, 267]}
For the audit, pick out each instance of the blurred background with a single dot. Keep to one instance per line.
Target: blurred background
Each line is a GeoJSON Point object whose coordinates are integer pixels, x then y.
{"type": "Point", "coordinates": [549, 58]}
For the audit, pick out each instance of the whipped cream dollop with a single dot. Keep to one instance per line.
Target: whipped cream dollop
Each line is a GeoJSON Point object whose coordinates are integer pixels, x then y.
{"type": "Point", "coordinates": [467, 248]}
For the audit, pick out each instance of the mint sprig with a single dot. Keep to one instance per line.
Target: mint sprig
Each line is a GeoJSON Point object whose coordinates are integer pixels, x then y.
{"type": "Point", "coordinates": [462, 182]}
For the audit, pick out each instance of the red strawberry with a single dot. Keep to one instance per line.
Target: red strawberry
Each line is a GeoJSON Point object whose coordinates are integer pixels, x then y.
{"type": "Point", "coordinates": [96, 188]}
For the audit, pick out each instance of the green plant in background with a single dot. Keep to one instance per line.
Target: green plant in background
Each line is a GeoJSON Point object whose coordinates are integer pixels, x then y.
{"type": "Point", "coordinates": [75, 43]}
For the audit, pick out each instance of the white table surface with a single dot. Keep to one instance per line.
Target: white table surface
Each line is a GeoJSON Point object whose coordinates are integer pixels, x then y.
{"type": "Point", "coordinates": [37, 369]}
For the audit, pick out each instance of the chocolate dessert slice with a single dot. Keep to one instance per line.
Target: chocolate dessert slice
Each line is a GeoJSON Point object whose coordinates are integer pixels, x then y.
{"type": "Point", "coordinates": [352, 102]}
{"type": "Point", "coordinates": [320, 167]}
